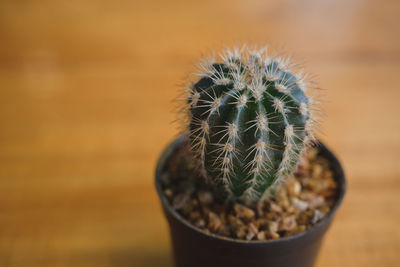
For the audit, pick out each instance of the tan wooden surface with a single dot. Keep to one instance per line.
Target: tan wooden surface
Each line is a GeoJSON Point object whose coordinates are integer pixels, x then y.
{"type": "Point", "coordinates": [85, 109]}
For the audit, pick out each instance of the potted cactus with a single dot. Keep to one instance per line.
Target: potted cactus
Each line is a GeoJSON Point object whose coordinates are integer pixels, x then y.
{"type": "Point", "coordinates": [247, 183]}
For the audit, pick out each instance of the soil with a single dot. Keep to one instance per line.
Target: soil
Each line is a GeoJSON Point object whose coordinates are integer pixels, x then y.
{"type": "Point", "coordinates": [301, 200]}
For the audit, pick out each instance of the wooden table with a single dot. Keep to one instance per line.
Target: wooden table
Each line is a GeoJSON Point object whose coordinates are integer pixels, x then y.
{"type": "Point", "coordinates": [85, 109]}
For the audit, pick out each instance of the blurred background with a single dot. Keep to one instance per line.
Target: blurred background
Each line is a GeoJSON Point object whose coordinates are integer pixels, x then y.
{"type": "Point", "coordinates": [86, 91]}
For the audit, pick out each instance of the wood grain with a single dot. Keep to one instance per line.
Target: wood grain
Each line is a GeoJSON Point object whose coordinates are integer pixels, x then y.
{"type": "Point", "coordinates": [85, 110]}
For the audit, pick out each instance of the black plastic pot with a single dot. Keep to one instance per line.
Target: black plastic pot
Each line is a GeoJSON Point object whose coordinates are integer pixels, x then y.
{"type": "Point", "coordinates": [194, 248]}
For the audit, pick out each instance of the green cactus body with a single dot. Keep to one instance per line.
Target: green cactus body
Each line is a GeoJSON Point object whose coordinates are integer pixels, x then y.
{"type": "Point", "coordinates": [250, 120]}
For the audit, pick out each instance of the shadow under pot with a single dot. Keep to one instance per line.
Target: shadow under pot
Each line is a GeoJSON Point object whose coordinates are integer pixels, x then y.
{"type": "Point", "coordinates": [195, 248]}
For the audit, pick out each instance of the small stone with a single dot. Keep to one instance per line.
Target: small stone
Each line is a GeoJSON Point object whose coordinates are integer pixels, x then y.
{"type": "Point", "coordinates": [243, 212]}
{"type": "Point", "coordinates": [312, 154]}
{"type": "Point", "coordinates": [299, 204]}
{"type": "Point", "coordinates": [273, 226]}
{"type": "Point", "coordinates": [259, 208]}
{"type": "Point", "coordinates": [275, 207]}
{"type": "Point", "coordinates": [253, 228]}
{"type": "Point", "coordinates": [232, 220]}
{"type": "Point", "coordinates": [317, 170]}
{"type": "Point", "coordinates": [168, 193]}
{"type": "Point", "coordinates": [200, 223]}
{"type": "Point", "coordinates": [318, 215]}
{"type": "Point", "coordinates": [328, 193]}
{"type": "Point", "coordinates": [222, 217]}
{"type": "Point", "coordinates": [261, 235]}
{"type": "Point", "coordinates": [261, 223]}
{"type": "Point", "coordinates": [282, 199]}
{"type": "Point", "coordinates": [250, 236]}
{"type": "Point", "coordinates": [321, 185]}
{"type": "Point", "coordinates": [214, 222]}
{"type": "Point", "coordinates": [288, 223]}
{"type": "Point", "coordinates": [325, 209]}
{"type": "Point", "coordinates": [188, 207]}
{"type": "Point", "coordinates": [194, 215]}
{"type": "Point", "coordinates": [295, 188]}
{"type": "Point", "coordinates": [303, 217]}
{"type": "Point", "coordinates": [316, 202]}
{"type": "Point", "coordinates": [206, 231]}
{"type": "Point", "coordinates": [180, 201]}
{"type": "Point", "coordinates": [299, 229]}
{"type": "Point", "coordinates": [272, 235]}
{"type": "Point", "coordinates": [328, 174]}
{"type": "Point", "coordinates": [306, 183]}
{"type": "Point", "coordinates": [291, 209]}
{"type": "Point", "coordinates": [272, 216]}
{"type": "Point", "coordinates": [205, 197]}
{"type": "Point", "coordinates": [241, 232]}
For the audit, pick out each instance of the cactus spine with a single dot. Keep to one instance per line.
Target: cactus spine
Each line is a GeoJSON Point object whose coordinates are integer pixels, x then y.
{"type": "Point", "coordinates": [249, 121]}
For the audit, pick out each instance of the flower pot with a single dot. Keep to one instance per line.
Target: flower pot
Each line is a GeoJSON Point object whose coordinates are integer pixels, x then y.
{"type": "Point", "coordinates": [192, 247]}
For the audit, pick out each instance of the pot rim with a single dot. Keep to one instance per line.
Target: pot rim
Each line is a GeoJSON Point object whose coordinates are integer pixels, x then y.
{"type": "Point", "coordinates": [180, 140]}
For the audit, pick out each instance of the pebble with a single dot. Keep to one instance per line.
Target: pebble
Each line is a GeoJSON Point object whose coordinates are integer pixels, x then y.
{"type": "Point", "coordinates": [273, 226]}
{"type": "Point", "coordinates": [316, 170]}
{"type": "Point", "coordinates": [250, 236]}
{"type": "Point", "coordinates": [253, 228]}
{"type": "Point", "coordinates": [275, 207]}
{"type": "Point", "coordinates": [231, 219]}
{"type": "Point", "coordinates": [261, 235]}
{"type": "Point", "coordinates": [288, 223]}
{"type": "Point", "coordinates": [282, 199]}
{"type": "Point", "coordinates": [272, 235]}
{"type": "Point", "coordinates": [294, 188]}
{"type": "Point", "coordinates": [260, 211]}
{"type": "Point", "coordinates": [200, 223]}
{"type": "Point", "coordinates": [234, 221]}
{"type": "Point", "coordinates": [243, 212]}
{"type": "Point", "coordinates": [214, 222]}
{"type": "Point", "coordinates": [194, 215]}
{"type": "Point", "coordinates": [261, 223]}
{"type": "Point", "coordinates": [304, 217]}
{"type": "Point", "coordinates": [205, 197]}
{"type": "Point", "coordinates": [299, 204]}
{"type": "Point", "coordinates": [322, 185]}
{"type": "Point", "coordinates": [168, 193]}
{"type": "Point", "coordinates": [318, 215]}
{"type": "Point", "coordinates": [312, 154]}
{"type": "Point", "coordinates": [316, 202]}
{"type": "Point", "coordinates": [180, 200]}
{"type": "Point", "coordinates": [241, 232]}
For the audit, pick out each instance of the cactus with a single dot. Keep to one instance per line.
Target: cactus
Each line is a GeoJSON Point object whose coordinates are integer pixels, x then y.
{"type": "Point", "coordinates": [249, 121]}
